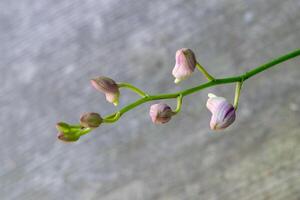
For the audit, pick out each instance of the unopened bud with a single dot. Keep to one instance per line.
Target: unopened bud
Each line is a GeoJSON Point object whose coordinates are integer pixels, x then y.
{"type": "Point", "coordinates": [90, 120]}
{"type": "Point", "coordinates": [223, 113]}
{"type": "Point", "coordinates": [67, 138]}
{"type": "Point", "coordinates": [62, 127]}
{"type": "Point", "coordinates": [65, 132]}
{"type": "Point", "coordinates": [109, 87]}
{"type": "Point", "coordinates": [160, 113]}
{"type": "Point", "coordinates": [185, 64]}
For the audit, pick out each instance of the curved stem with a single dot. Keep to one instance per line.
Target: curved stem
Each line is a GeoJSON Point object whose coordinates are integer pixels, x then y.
{"type": "Point", "coordinates": [179, 103]}
{"type": "Point", "coordinates": [204, 72]}
{"type": "Point", "coordinates": [237, 94]}
{"type": "Point", "coordinates": [133, 88]}
{"type": "Point", "coordinates": [109, 118]}
{"type": "Point", "coordinates": [168, 96]}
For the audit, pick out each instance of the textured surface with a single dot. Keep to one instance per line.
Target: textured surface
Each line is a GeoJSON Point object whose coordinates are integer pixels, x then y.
{"type": "Point", "coordinates": [50, 49]}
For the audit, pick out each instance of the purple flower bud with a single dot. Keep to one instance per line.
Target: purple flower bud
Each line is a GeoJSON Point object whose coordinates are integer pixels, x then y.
{"type": "Point", "coordinates": [109, 87]}
{"type": "Point", "coordinates": [90, 120]}
{"type": "Point", "coordinates": [160, 113]}
{"type": "Point", "coordinates": [223, 113]}
{"type": "Point", "coordinates": [185, 64]}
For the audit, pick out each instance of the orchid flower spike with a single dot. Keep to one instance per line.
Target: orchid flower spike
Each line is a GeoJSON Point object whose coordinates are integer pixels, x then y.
{"type": "Point", "coordinates": [109, 87]}
{"type": "Point", "coordinates": [185, 64]}
{"type": "Point", "coordinates": [223, 113]}
{"type": "Point", "coordinates": [160, 113]}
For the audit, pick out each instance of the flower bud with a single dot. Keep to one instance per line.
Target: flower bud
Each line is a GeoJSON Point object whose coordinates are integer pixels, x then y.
{"type": "Point", "coordinates": [109, 87]}
{"type": "Point", "coordinates": [185, 64]}
{"type": "Point", "coordinates": [90, 120]}
{"type": "Point", "coordinates": [62, 127]}
{"type": "Point", "coordinates": [67, 138]}
{"type": "Point", "coordinates": [223, 113]}
{"type": "Point", "coordinates": [65, 132]}
{"type": "Point", "coordinates": [160, 113]}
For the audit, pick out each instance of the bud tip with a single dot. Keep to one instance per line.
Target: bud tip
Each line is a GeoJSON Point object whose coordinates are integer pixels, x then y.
{"type": "Point", "coordinates": [177, 80]}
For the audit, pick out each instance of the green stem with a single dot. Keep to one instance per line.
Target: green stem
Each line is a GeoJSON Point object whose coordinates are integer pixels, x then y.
{"type": "Point", "coordinates": [204, 72]}
{"type": "Point", "coordinates": [133, 88]}
{"type": "Point", "coordinates": [237, 94]}
{"type": "Point", "coordinates": [109, 118]}
{"type": "Point", "coordinates": [211, 83]}
{"type": "Point", "coordinates": [179, 104]}
{"type": "Point", "coordinates": [85, 131]}
{"type": "Point", "coordinates": [272, 63]}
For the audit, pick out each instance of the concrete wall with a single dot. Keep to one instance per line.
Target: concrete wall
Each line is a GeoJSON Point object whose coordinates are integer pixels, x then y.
{"type": "Point", "coordinates": [50, 49]}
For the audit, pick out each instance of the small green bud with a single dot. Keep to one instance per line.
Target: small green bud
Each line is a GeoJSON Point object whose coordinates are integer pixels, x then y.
{"type": "Point", "coordinates": [67, 137]}
{"type": "Point", "coordinates": [62, 127]}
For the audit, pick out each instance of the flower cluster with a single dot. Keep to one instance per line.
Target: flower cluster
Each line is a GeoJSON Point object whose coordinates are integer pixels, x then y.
{"type": "Point", "coordinates": [223, 113]}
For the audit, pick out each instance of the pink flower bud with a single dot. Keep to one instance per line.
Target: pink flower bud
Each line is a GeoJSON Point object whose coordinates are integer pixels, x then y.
{"type": "Point", "coordinates": [160, 113]}
{"type": "Point", "coordinates": [185, 64]}
{"type": "Point", "coordinates": [223, 113]}
{"type": "Point", "coordinates": [90, 120]}
{"type": "Point", "coordinates": [109, 87]}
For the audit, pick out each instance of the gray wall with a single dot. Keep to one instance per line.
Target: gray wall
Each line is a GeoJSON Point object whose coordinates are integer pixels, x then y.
{"type": "Point", "coordinates": [50, 49]}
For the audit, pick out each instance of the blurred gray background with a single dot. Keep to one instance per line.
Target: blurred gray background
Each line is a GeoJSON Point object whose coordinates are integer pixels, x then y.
{"type": "Point", "coordinates": [50, 49]}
